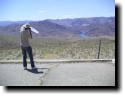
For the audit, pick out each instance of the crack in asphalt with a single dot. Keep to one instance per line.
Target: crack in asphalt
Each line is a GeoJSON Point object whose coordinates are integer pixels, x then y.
{"type": "Point", "coordinates": [46, 73]}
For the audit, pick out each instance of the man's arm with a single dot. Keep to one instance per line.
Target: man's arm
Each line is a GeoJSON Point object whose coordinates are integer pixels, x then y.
{"type": "Point", "coordinates": [30, 34]}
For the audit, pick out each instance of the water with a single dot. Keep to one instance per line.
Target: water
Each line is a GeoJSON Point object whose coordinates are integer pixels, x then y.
{"type": "Point", "coordinates": [82, 35]}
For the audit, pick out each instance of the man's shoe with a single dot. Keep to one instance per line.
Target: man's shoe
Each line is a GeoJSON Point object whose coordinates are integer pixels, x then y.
{"type": "Point", "coordinates": [25, 68]}
{"type": "Point", "coordinates": [33, 68]}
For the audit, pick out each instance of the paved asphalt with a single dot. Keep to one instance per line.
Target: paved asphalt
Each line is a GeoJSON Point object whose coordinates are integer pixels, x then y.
{"type": "Point", "coordinates": [73, 74]}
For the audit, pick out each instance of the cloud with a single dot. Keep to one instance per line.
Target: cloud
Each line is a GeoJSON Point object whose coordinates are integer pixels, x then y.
{"type": "Point", "coordinates": [69, 16]}
{"type": "Point", "coordinates": [42, 11]}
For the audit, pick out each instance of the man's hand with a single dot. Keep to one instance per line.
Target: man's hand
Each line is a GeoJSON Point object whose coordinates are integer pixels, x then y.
{"type": "Point", "coordinates": [29, 33]}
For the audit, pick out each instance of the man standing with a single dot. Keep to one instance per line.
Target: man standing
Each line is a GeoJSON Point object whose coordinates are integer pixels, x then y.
{"type": "Point", "coordinates": [25, 45]}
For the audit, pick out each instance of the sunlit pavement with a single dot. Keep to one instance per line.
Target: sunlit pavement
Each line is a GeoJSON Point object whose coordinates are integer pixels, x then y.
{"type": "Point", "coordinates": [72, 74]}
{"type": "Point", "coordinates": [81, 74]}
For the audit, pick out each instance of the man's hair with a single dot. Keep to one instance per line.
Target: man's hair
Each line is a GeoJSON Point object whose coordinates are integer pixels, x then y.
{"type": "Point", "coordinates": [23, 28]}
{"type": "Point", "coordinates": [27, 28]}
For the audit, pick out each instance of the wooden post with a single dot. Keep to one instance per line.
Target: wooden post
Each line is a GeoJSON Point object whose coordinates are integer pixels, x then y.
{"type": "Point", "coordinates": [99, 48]}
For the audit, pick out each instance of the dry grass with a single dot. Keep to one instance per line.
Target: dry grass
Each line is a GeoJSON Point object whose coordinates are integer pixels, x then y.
{"type": "Point", "coordinates": [48, 48]}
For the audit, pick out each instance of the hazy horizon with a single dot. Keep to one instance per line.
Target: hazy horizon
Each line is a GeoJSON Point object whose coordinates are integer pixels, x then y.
{"type": "Point", "coordinates": [54, 19]}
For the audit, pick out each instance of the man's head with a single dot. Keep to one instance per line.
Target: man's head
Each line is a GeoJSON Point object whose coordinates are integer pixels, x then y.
{"type": "Point", "coordinates": [27, 25]}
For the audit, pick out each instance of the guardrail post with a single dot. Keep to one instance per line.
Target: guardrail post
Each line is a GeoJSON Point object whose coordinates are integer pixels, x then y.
{"type": "Point", "coordinates": [99, 48]}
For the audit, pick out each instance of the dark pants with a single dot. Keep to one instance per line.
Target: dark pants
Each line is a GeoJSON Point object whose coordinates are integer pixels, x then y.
{"type": "Point", "coordinates": [25, 51]}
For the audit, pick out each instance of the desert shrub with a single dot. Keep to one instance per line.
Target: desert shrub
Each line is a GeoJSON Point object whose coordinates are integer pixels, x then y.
{"type": "Point", "coordinates": [46, 48]}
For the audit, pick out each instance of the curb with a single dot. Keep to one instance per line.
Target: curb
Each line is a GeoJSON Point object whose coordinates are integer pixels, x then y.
{"type": "Point", "coordinates": [60, 61]}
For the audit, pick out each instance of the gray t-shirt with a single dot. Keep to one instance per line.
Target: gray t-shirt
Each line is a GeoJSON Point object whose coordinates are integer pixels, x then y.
{"type": "Point", "coordinates": [25, 35]}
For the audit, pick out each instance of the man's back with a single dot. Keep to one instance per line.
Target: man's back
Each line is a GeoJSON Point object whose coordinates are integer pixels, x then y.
{"type": "Point", "coordinates": [25, 31]}
{"type": "Point", "coordinates": [25, 35]}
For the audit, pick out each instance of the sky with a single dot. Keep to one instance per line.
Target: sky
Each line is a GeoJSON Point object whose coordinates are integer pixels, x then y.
{"type": "Point", "coordinates": [19, 10]}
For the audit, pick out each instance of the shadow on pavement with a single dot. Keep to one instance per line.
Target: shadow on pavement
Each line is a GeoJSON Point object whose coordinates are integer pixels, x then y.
{"type": "Point", "coordinates": [36, 71]}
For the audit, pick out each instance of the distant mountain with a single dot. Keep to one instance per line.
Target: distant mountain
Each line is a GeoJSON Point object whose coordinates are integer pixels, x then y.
{"type": "Point", "coordinates": [96, 26]}
{"type": "Point", "coordinates": [83, 21]}
{"type": "Point", "coordinates": [49, 29]}
{"type": "Point", "coordinates": [46, 29]}
{"type": "Point", "coordinates": [6, 23]}
{"type": "Point", "coordinates": [66, 28]}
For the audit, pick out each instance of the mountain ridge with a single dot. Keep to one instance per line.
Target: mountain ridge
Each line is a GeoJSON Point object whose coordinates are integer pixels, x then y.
{"type": "Point", "coordinates": [67, 28]}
